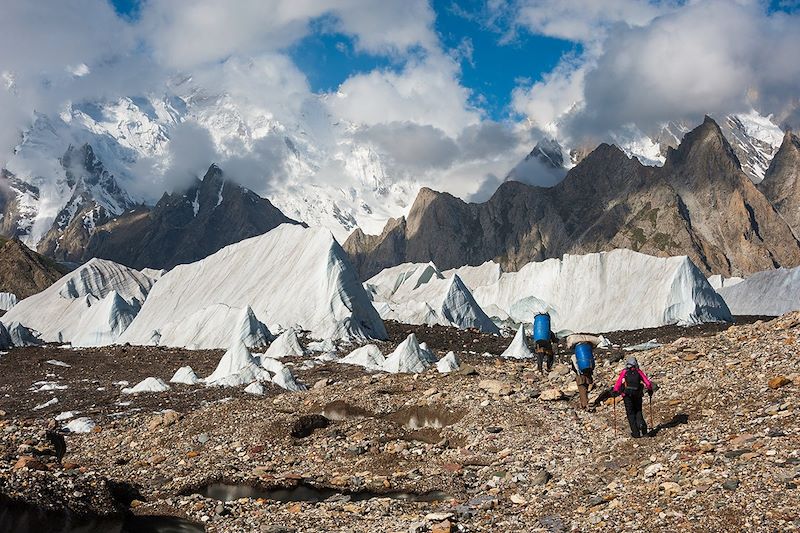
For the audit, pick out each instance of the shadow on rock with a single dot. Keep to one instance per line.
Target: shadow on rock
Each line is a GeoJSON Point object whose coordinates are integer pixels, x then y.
{"type": "Point", "coordinates": [676, 421]}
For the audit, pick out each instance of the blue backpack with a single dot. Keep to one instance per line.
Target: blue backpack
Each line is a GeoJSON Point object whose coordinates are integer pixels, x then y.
{"type": "Point", "coordinates": [541, 327]}
{"type": "Point", "coordinates": [584, 356]}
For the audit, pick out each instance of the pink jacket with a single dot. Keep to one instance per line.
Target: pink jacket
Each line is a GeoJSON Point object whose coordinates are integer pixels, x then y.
{"type": "Point", "coordinates": [619, 386]}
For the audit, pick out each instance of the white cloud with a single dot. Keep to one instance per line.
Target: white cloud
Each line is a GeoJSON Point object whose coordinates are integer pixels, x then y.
{"type": "Point", "coordinates": [187, 33]}
{"type": "Point", "coordinates": [38, 40]}
{"type": "Point", "coordinates": [547, 100]}
{"type": "Point", "coordinates": [709, 56]}
{"type": "Point", "coordinates": [426, 92]}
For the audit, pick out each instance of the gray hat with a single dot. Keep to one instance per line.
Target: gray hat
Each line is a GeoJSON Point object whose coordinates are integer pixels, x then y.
{"type": "Point", "coordinates": [632, 362]}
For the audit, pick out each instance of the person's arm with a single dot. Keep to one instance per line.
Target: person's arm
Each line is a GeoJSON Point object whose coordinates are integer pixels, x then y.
{"type": "Point", "coordinates": [647, 384]}
{"type": "Point", "coordinates": [618, 384]}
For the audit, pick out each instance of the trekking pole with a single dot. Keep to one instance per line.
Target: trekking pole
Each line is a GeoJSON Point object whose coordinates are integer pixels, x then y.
{"type": "Point", "coordinates": [615, 417]}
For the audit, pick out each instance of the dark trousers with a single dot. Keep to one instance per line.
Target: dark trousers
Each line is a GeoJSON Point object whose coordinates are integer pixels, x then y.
{"type": "Point", "coordinates": [633, 409]}
{"type": "Point", "coordinates": [544, 353]}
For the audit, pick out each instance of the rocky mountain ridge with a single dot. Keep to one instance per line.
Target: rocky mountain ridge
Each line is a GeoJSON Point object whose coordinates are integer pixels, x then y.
{"type": "Point", "coordinates": [23, 272]}
{"type": "Point", "coordinates": [781, 183]}
{"type": "Point", "coordinates": [700, 204]}
{"type": "Point", "coordinates": [185, 227]}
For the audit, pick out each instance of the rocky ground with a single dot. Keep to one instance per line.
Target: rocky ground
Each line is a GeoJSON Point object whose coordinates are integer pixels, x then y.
{"type": "Point", "coordinates": [495, 446]}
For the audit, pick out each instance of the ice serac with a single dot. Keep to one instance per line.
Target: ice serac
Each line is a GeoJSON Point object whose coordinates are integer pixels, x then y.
{"type": "Point", "coordinates": [717, 282]}
{"type": "Point", "coordinates": [205, 329]}
{"type": "Point", "coordinates": [185, 375]}
{"type": "Point", "coordinates": [90, 306]}
{"type": "Point", "coordinates": [7, 301]}
{"type": "Point", "coordinates": [369, 356]}
{"type": "Point", "coordinates": [409, 357]}
{"type": "Point", "coordinates": [150, 384]}
{"type": "Point", "coordinates": [104, 321]}
{"type": "Point", "coordinates": [608, 291]}
{"type": "Point", "coordinates": [237, 367]}
{"type": "Point", "coordinates": [420, 294]}
{"type": "Point", "coordinates": [286, 345]}
{"type": "Point", "coordinates": [291, 275]}
{"type": "Point", "coordinates": [518, 349]}
{"type": "Point", "coordinates": [255, 388]}
{"type": "Point", "coordinates": [781, 183]}
{"type": "Point", "coordinates": [5, 338]}
{"type": "Point", "coordinates": [448, 363]}
{"type": "Point", "coordinates": [22, 336]}
{"type": "Point", "coordinates": [253, 333]}
{"type": "Point", "coordinates": [772, 292]}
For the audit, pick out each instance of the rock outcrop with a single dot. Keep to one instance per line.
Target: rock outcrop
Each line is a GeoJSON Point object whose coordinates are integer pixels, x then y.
{"type": "Point", "coordinates": [24, 272]}
{"type": "Point", "coordinates": [781, 183]}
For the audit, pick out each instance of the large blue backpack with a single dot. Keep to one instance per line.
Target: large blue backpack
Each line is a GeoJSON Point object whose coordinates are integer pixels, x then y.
{"type": "Point", "coordinates": [584, 356]}
{"type": "Point", "coordinates": [541, 327]}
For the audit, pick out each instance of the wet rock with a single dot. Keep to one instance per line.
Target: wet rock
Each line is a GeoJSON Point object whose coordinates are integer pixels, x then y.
{"type": "Point", "coordinates": [305, 425]}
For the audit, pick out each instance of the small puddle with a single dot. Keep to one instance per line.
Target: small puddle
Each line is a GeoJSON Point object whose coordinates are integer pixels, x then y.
{"type": "Point", "coordinates": [23, 518]}
{"type": "Point", "coordinates": [306, 493]}
{"type": "Point", "coordinates": [424, 416]}
{"type": "Point", "coordinates": [340, 410]}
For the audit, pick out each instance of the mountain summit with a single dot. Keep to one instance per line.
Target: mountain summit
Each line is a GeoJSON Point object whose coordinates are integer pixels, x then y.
{"type": "Point", "coordinates": [185, 227]}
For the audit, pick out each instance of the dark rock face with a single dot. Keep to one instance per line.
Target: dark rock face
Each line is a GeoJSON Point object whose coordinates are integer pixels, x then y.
{"type": "Point", "coordinates": [23, 272]}
{"type": "Point", "coordinates": [96, 199]}
{"type": "Point", "coordinates": [781, 183]}
{"type": "Point", "coordinates": [700, 204]}
{"type": "Point", "coordinates": [183, 228]}
{"type": "Point", "coordinates": [13, 223]}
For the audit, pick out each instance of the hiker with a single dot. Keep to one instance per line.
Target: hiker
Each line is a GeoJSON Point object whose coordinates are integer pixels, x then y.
{"type": "Point", "coordinates": [583, 365]}
{"type": "Point", "coordinates": [631, 384]}
{"type": "Point", "coordinates": [543, 339]}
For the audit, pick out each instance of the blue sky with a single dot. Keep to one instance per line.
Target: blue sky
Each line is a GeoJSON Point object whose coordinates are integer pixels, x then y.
{"type": "Point", "coordinates": [491, 69]}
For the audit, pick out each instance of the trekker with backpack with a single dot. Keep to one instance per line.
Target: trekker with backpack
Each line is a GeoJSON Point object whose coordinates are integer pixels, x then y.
{"type": "Point", "coordinates": [631, 384]}
{"type": "Point", "coordinates": [543, 339]}
{"type": "Point", "coordinates": [583, 365]}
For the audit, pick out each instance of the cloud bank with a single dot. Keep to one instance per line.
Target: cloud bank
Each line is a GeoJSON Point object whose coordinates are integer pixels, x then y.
{"type": "Point", "coordinates": [635, 63]}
